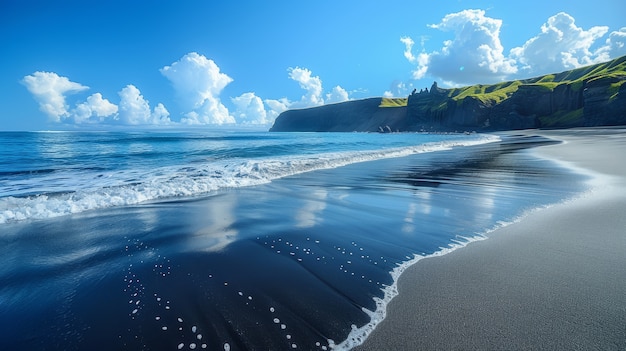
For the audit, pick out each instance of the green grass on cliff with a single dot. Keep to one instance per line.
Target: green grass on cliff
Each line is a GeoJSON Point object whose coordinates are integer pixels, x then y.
{"type": "Point", "coordinates": [576, 78]}
{"type": "Point", "coordinates": [562, 119]}
{"type": "Point", "coordinates": [489, 94]}
{"type": "Point", "coordinates": [393, 102]}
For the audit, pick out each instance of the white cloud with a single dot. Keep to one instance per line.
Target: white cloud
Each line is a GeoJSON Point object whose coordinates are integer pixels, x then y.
{"type": "Point", "coordinates": [249, 109]}
{"type": "Point", "coordinates": [198, 83]}
{"type": "Point", "coordinates": [408, 51]}
{"type": "Point", "coordinates": [312, 85]}
{"type": "Point", "coordinates": [398, 88]}
{"type": "Point", "coordinates": [338, 94]}
{"type": "Point", "coordinates": [422, 59]}
{"type": "Point", "coordinates": [135, 110]}
{"type": "Point", "coordinates": [614, 46]}
{"type": "Point", "coordinates": [314, 95]}
{"type": "Point", "coordinates": [276, 107]}
{"type": "Point", "coordinates": [160, 115]}
{"type": "Point", "coordinates": [616, 43]}
{"type": "Point", "coordinates": [101, 107]}
{"type": "Point", "coordinates": [561, 45]}
{"type": "Point", "coordinates": [475, 53]}
{"type": "Point", "coordinates": [94, 106]}
{"type": "Point", "coordinates": [49, 89]}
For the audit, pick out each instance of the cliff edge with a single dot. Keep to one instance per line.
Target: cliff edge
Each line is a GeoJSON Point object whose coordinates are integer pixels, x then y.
{"type": "Point", "coordinates": [588, 96]}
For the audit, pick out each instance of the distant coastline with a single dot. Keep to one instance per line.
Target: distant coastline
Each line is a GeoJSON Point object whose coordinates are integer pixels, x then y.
{"type": "Point", "coordinates": [589, 96]}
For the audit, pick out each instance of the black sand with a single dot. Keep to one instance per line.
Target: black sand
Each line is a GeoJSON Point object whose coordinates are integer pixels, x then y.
{"type": "Point", "coordinates": [556, 280]}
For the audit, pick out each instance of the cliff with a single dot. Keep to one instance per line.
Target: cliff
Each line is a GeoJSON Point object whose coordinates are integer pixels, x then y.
{"type": "Point", "coordinates": [588, 96]}
{"type": "Point", "coordinates": [356, 115]}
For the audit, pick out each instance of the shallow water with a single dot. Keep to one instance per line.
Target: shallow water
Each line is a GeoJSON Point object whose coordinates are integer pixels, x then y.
{"type": "Point", "coordinates": [293, 263]}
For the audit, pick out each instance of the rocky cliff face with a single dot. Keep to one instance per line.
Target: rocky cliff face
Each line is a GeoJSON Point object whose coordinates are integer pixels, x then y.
{"type": "Point", "coordinates": [605, 101]}
{"type": "Point", "coordinates": [358, 115]}
{"type": "Point", "coordinates": [590, 96]}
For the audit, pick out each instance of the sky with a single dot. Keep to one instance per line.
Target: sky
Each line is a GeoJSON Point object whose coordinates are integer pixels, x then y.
{"type": "Point", "coordinates": [99, 65]}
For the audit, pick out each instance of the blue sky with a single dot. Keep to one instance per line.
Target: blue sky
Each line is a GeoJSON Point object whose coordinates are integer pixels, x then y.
{"type": "Point", "coordinates": [201, 64]}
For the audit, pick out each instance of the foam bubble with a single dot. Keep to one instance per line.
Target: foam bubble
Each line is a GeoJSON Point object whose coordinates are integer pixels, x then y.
{"type": "Point", "coordinates": [168, 182]}
{"type": "Point", "coordinates": [358, 335]}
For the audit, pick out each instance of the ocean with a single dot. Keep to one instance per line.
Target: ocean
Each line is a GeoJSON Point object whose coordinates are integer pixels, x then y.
{"type": "Point", "coordinates": [225, 240]}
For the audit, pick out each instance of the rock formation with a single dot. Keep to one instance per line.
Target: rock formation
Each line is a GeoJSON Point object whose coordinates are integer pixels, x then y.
{"type": "Point", "coordinates": [588, 96]}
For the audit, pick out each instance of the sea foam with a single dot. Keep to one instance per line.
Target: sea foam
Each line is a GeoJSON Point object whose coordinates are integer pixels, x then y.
{"type": "Point", "coordinates": [358, 334]}
{"type": "Point", "coordinates": [197, 180]}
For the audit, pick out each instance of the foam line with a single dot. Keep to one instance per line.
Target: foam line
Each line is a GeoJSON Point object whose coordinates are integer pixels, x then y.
{"type": "Point", "coordinates": [197, 180]}
{"type": "Point", "coordinates": [358, 335]}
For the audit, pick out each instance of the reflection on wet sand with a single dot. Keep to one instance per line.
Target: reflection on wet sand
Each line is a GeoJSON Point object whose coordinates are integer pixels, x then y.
{"type": "Point", "coordinates": [212, 224]}
{"type": "Point", "coordinates": [309, 214]}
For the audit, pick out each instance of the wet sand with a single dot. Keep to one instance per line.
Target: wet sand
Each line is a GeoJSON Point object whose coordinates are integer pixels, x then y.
{"type": "Point", "coordinates": [554, 280]}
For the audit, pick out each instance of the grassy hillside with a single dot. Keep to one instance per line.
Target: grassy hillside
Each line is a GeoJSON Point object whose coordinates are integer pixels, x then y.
{"type": "Point", "coordinates": [588, 96]}
{"type": "Point", "coordinates": [393, 102]}
{"type": "Point", "coordinates": [496, 93]}
{"type": "Point", "coordinates": [491, 94]}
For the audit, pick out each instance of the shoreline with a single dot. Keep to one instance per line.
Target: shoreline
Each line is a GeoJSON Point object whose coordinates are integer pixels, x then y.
{"type": "Point", "coordinates": [225, 260]}
{"type": "Point", "coordinates": [553, 280]}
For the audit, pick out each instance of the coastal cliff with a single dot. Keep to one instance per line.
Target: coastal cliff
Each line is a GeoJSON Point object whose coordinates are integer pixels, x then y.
{"type": "Point", "coordinates": [588, 96]}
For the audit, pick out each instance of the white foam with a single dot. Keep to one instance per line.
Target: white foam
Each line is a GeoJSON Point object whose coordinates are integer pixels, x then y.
{"type": "Point", "coordinates": [169, 182]}
{"type": "Point", "coordinates": [358, 334]}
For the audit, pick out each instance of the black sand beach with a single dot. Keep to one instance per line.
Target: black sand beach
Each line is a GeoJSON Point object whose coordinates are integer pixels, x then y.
{"type": "Point", "coordinates": [556, 280]}
{"type": "Point", "coordinates": [297, 262]}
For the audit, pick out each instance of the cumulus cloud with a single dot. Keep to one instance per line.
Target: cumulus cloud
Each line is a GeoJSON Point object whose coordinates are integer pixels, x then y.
{"type": "Point", "coordinates": [398, 88]}
{"type": "Point", "coordinates": [314, 92]}
{"type": "Point", "coordinates": [561, 45]}
{"type": "Point", "coordinates": [337, 94]}
{"type": "Point", "coordinates": [49, 90]}
{"type": "Point", "coordinates": [408, 51]}
{"type": "Point", "coordinates": [249, 109]}
{"type": "Point", "coordinates": [615, 45]}
{"type": "Point", "coordinates": [476, 55]}
{"type": "Point", "coordinates": [276, 107]}
{"type": "Point", "coordinates": [198, 83]}
{"type": "Point", "coordinates": [311, 84]}
{"type": "Point", "coordinates": [421, 60]}
{"type": "Point", "coordinates": [134, 109]}
{"type": "Point", "coordinates": [95, 106]}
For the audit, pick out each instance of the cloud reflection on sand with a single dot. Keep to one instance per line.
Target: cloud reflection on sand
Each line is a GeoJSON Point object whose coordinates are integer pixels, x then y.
{"type": "Point", "coordinates": [309, 214]}
{"type": "Point", "coordinates": [212, 224]}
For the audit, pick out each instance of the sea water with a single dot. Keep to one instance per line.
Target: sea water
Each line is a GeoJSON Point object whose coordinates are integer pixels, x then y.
{"type": "Point", "coordinates": [49, 174]}
{"type": "Point", "coordinates": [239, 240]}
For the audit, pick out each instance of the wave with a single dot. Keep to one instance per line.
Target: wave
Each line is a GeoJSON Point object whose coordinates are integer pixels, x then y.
{"type": "Point", "coordinates": [358, 335]}
{"type": "Point", "coordinates": [199, 179]}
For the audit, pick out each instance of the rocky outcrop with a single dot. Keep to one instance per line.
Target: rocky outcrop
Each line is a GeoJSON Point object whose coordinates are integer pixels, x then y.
{"type": "Point", "coordinates": [604, 103]}
{"type": "Point", "coordinates": [358, 115]}
{"type": "Point", "coordinates": [589, 96]}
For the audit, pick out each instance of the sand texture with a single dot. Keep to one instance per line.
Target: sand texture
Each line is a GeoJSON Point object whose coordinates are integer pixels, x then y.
{"type": "Point", "coordinates": [555, 280]}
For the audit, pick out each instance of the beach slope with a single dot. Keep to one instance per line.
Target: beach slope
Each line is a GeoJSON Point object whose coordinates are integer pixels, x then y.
{"type": "Point", "coordinates": [554, 280]}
